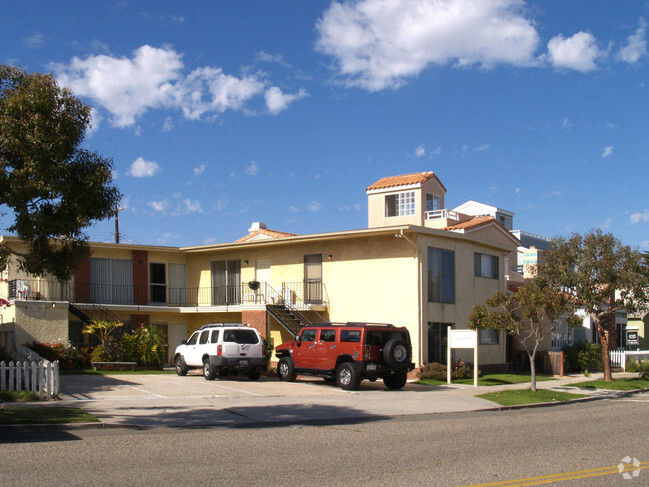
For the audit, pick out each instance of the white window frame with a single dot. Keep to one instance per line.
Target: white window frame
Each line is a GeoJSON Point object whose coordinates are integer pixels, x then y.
{"type": "Point", "coordinates": [404, 204]}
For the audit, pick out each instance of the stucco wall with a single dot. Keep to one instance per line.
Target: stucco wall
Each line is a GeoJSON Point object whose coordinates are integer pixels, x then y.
{"type": "Point", "coordinates": [43, 321]}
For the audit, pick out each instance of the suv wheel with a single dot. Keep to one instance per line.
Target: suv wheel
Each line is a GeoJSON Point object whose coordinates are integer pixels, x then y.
{"type": "Point", "coordinates": [286, 369]}
{"type": "Point", "coordinates": [254, 374]}
{"type": "Point", "coordinates": [397, 380]}
{"type": "Point", "coordinates": [181, 368]}
{"type": "Point", "coordinates": [396, 353]}
{"type": "Point", "coordinates": [348, 377]}
{"type": "Point", "coordinates": [208, 372]}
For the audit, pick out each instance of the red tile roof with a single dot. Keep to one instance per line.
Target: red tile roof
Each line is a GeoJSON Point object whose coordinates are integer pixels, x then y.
{"type": "Point", "coordinates": [266, 232]}
{"type": "Point", "coordinates": [475, 222]}
{"type": "Point", "coordinates": [404, 180]}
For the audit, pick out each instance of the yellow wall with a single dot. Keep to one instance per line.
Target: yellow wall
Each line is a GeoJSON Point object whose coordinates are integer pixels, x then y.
{"type": "Point", "coordinates": [43, 321]}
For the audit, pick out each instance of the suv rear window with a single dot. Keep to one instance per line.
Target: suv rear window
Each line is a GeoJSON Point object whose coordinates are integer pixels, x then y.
{"type": "Point", "coordinates": [382, 337]}
{"type": "Point", "coordinates": [240, 336]}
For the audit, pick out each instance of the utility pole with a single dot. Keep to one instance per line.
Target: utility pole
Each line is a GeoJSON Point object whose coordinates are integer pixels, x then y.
{"type": "Point", "coordinates": [117, 210]}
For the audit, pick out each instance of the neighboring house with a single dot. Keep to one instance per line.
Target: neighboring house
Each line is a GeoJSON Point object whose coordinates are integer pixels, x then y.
{"type": "Point", "coordinates": [417, 265]}
{"type": "Point", "coordinates": [637, 324]}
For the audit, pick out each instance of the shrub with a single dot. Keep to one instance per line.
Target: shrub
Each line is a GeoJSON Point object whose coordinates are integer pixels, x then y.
{"type": "Point", "coordinates": [433, 370]}
{"type": "Point", "coordinates": [144, 346]}
{"type": "Point", "coordinates": [633, 365]}
{"type": "Point", "coordinates": [69, 356]}
{"type": "Point", "coordinates": [437, 371]}
{"type": "Point", "coordinates": [4, 356]}
{"type": "Point", "coordinates": [582, 357]}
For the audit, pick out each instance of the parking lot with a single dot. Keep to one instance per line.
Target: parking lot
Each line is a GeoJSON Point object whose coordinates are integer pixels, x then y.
{"type": "Point", "coordinates": [168, 386]}
{"type": "Point", "coordinates": [170, 400]}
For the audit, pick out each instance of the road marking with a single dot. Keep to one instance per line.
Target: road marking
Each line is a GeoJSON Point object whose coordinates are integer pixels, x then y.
{"type": "Point", "coordinates": [240, 390]}
{"type": "Point", "coordinates": [147, 392]}
{"type": "Point", "coordinates": [559, 477]}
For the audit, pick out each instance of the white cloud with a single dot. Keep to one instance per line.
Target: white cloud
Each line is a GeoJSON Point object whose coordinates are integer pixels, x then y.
{"type": "Point", "coordinates": [606, 225]}
{"type": "Point", "coordinates": [127, 88]}
{"type": "Point", "coordinates": [420, 151]}
{"type": "Point", "coordinates": [153, 78]}
{"type": "Point", "coordinates": [608, 151]}
{"type": "Point", "coordinates": [482, 148]}
{"type": "Point", "coordinates": [378, 44]}
{"type": "Point", "coordinates": [143, 169]}
{"type": "Point", "coordinates": [200, 169]}
{"type": "Point", "coordinates": [314, 206]}
{"type": "Point", "coordinates": [636, 45]}
{"type": "Point", "coordinates": [252, 169]}
{"type": "Point", "coordinates": [34, 41]}
{"type": "Point", "coordinates": [642, 216]}
{"type": "Point", "coordinates": [517, 190]}
{"type": "Point", "coordinates": [578, 52]}
{"type": "Point", "coordinates": [187, 206]}
{"type": "Point", "coordinates": [209, 90]}
{"type": "Point", "coordinates": [159, 206]}
{"type": "Point", "coordinates": [293, 209]}
{"type": "Point", "coordinates": [276, 101]}
{"type": "Point", "coordinates": [168, 125]}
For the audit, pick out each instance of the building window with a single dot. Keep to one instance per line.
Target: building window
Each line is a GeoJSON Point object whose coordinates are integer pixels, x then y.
{"type": "Point", "coordinates": [488, 336]}
{"type": "Point", "coordinates": [562, 334]}
{"type": "Point", "coordinates": [485, 265]}
{"type": "Point", "coordinates": [400, 204]}
{"type": "Point", "coordinates": [441, 275]}
{"type": "Point", "coordinates": [505, 221]}
{"type": "Point", "coordinates": [433, 202]}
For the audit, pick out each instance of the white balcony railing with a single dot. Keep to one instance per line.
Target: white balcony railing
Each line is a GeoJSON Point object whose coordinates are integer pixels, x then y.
{"type": "Point", "coordinates": [435, 214]}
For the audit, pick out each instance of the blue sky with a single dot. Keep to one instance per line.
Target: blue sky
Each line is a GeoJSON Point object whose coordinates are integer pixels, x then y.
{"type": "Point", "coordinates": [220, 114]}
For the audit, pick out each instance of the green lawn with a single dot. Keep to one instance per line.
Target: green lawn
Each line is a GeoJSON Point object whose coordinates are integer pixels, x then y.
{"type": "Point", "coordinates": [488, 380]}
{"type": "Point", "coordinates": [630, 384]}
{"type": "Point", "coordinates": [44, 415]}
{"type": "Point", "coordinates": [526, 396]}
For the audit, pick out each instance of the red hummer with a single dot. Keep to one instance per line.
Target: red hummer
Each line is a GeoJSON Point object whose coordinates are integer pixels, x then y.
{"type": "Point", "coordinates": [348, 353]}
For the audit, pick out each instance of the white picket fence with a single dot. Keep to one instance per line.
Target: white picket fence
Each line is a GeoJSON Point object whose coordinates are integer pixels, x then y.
{"type": "Point", "coordinates": [41, 378]}
{"type": "Point", "coordinates": [619, 358]}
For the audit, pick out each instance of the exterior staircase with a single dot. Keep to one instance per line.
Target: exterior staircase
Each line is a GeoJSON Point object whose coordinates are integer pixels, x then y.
{"type": "Point", "coordinates": [291, 319]}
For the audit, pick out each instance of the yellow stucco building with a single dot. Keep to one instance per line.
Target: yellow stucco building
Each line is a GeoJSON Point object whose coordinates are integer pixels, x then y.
{"type": "Point", "coordinates": [417, 265]}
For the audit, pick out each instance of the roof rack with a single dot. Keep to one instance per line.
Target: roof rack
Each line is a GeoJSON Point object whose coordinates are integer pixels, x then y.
{"type": "Point", "coordinates": [349, 323]}
{"type": "Point", "coordinates": [214, 325]}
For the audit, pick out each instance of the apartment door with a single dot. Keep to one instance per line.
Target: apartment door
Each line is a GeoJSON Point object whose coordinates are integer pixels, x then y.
{"type": "Point", "coordinates": [438, 342]}
{"type": "Point", "coordinates": [226, 282]}
{"type": "Point", "coordinates": [157, 283]}
{"type": "Point", "coordinates": [313, 278]}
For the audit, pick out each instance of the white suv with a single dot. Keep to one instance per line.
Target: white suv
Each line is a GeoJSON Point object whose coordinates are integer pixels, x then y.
{"type": "Point", "coordinates": [222, 348]}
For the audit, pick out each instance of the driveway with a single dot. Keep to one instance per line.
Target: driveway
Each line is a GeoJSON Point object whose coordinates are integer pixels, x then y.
{"type": "Point", "coordinates": [170, 400]}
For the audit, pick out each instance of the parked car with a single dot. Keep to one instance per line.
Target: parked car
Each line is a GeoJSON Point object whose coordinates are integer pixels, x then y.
{"type": "Point", "coordinates": [348, 353]}
{"type": "Point", "coordinates": [221, 349]}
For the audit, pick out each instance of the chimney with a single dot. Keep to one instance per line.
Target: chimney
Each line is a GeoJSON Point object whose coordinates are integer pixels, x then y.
{"type": "Point", "coordinates": [256, 226]}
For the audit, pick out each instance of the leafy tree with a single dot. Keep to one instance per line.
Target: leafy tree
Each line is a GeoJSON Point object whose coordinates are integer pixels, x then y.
{"type": "Point", "coordinates": [103, 330]}
{"type": "Point", "coordinates": [50, 187]}
{"type": "Point", "coordinates": [602, 276]}
{"type": "Point", "coordinates": [529, 314]}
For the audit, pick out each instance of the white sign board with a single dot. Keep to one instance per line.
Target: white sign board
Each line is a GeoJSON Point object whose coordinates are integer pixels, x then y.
{"type": "Point", "coordinates": [462, 339]}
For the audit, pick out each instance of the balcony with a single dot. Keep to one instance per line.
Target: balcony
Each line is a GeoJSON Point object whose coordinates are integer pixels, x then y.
{"type": "Point", "coordinates": [299, 295]}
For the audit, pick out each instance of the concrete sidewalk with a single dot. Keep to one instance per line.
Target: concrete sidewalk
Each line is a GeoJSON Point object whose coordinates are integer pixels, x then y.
{"type": "Point", "coordinates": [171, 401]}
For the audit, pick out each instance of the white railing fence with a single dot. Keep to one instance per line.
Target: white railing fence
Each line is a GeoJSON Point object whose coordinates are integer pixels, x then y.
{"type": "Point", "coordinates": [619, 358]}
{"type": "Point", "coordinates": [41, 378]}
